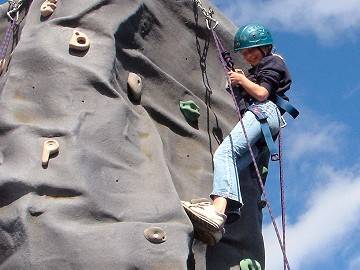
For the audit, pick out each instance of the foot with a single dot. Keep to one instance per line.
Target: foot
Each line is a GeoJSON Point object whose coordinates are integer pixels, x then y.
{"type": "Point", "coordinates": [208, 223]}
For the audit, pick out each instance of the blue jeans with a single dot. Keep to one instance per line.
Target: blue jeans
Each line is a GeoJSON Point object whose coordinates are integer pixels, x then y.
{"type": "Point", "coordinates": [233, 155]}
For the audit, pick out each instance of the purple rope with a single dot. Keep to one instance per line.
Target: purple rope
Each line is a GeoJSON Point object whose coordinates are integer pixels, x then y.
{"type": "Point", "coordinates": [6, 41]}
{"type": "Point", "coordinates": [282, 192]}
{"type": "Point", "coordinates": [219, 46]}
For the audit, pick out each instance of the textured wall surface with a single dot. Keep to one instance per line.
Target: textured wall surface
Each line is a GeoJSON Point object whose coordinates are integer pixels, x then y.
{"type": "Point", "coordinates": [122, 166]}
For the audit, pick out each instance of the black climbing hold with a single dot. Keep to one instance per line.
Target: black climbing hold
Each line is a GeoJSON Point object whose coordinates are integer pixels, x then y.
{"type": "Point", "coordinates": [262, 204]}
{"type": "Point", "coordinates": [34, 212]}
{"type": "Point", "coordinates": [155, 235]}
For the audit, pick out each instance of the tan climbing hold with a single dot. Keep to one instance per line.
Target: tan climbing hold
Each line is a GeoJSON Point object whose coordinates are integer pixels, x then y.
{"type": "Point", "coordinates": [155, 235]}
{"type": "Point", "coordinates": [2, 65]}
{"type": "Point", "coordinates": [79, 41]}
{"type": "Point", "coordinates": [48, 8]}
{"type": "Point", "coordinates": [50, 147]}
{"type": "Point", "coordinates": [135, 85]}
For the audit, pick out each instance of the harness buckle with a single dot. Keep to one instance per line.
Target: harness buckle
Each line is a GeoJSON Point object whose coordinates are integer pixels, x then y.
{"type": "Point", "coordinates": [283, 123]}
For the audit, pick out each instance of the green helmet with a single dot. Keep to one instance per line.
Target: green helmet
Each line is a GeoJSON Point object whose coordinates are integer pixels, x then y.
{"type": "Point", "coordinates": [250, 36]}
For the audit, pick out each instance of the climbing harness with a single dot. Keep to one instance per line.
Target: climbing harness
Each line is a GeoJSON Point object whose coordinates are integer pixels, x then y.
{"type": "Point", "coordinates": [262, 118]}
{"type": "Point", "coordinates": [286, 106]}
{"type": "Point", "coordinates": [227, 63]}
{"type": "Point", "coordinates": [13, 15]}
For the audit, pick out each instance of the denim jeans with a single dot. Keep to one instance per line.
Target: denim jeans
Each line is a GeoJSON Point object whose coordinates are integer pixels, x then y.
{"type": "Point", "coordinates": [233, 155]}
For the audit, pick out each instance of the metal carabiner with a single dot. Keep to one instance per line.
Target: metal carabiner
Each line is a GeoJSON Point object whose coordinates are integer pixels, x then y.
{"type": "Point", "coordinates": [12, 11]}
{"type": "Point", "coordinates": [14, 8]}
{"type": "Point", "coordinates": [208, 23]}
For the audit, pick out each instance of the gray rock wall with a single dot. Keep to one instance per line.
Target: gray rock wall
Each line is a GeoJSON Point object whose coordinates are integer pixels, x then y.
{"type": "Point", "coordinates": [122, 165]}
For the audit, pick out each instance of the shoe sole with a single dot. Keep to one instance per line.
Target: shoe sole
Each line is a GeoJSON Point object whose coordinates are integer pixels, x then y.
{"type": "Point", "coordinates": [205, 236]}
{"type": "Point", "coordinates": [201, 221]}
{"type": "Point", "coordinates": [203, 230]}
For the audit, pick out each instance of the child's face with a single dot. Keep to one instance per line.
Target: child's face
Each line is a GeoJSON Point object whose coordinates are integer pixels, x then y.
{"type": "Point", "coordinates": [252, 55]}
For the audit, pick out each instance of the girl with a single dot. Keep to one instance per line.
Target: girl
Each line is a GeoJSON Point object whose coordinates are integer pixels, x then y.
{"type": "Point", "coordinates": [268, 78]}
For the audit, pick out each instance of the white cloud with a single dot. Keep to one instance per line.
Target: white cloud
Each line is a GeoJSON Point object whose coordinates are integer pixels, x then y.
{"type": "Point", "coordinates": [322, 17]}
{"type": "Point", "coordinates": [311, 135]}
{"type": "Point", "coordinates": [331, 216]}
{"type": "Point", "coordinates": [352, 92]}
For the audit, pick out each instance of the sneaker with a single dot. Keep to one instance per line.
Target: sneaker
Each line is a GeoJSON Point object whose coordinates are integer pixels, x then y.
{"type": "Point", "coordinates": [208, 223]}
{"type": "Point", "coordinates": [208, 237]}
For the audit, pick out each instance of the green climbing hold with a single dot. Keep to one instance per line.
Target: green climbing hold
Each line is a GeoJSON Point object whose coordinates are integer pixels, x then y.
{"type": "Point", "coordinates": [264, 171]}
{"type": "Point", "coordinates": [190, 110]}
{"type": "Point", "coordinates": [249, 264]}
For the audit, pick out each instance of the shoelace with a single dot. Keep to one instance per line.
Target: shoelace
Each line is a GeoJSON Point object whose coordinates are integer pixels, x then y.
{"type": "Point", "coordinates": [200, 204]}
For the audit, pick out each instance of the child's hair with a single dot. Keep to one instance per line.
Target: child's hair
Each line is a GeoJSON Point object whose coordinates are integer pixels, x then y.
{"type": "Point", "coordinates": [269, 50]}
{"type": "Point", "coordinates": [266, 49]}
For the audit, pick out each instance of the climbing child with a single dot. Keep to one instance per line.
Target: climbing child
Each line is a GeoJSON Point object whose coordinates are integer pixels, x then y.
{"type": "Point", "coordinates": [267, 81]}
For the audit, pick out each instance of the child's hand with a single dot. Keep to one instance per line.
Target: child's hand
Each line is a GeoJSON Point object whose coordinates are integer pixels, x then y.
{"type": "Point", "coordinates": [236, 77]}
{"type": "Point", "coordinates": [239, 71]}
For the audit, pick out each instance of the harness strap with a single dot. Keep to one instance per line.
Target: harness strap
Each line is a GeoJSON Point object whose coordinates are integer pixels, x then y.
{"type": "Point", "coordinates": [286, 106]}
{"type": "Point", "coordinates": [262, 118]}
{"type": "Point", "coordinates": [269, 140]}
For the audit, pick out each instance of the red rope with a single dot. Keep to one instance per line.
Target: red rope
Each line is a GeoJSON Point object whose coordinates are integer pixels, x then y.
{"type": "Point", "coordinates": [220, 50]}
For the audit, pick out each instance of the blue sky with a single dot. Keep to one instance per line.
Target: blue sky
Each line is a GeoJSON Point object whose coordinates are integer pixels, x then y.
{"type": "Point", "coordinates": [320, 42]}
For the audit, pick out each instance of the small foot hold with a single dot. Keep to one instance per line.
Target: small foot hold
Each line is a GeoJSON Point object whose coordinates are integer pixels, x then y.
{"type": "Point", "coordinates": [155, 235]}
{"type": "Point", "coordinates": [50, 147]}
{"type": "Point", "coordinates": [134, 86]}
{"type": "Point", "coordinates": [79, 41]}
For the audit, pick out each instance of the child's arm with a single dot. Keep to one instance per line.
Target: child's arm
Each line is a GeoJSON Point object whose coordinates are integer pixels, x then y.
{"type": "Point", "coordinates": [258, 92]}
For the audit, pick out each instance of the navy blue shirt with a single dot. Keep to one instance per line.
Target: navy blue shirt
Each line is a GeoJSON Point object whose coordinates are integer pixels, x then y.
{"type": "Point", "coordinates": [271, 73]}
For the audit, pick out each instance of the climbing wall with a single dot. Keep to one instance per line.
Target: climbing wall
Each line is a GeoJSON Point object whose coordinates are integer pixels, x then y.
{"type": "Point", "coordinates": [95, 153]}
